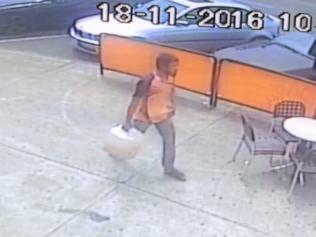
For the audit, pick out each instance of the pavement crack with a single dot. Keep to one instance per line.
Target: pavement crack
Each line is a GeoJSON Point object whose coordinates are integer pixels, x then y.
{"type": "Point", "coordinates": [208, 213]}
{"type": "Point", "coordinates": [10, 83]}
{"type": "Point", "coordinates": [51, 160]}
{"type": "Point", "coordinates": [94, 216]}
{"type": "Point", "coordinates": [197, 133]}
{"type": "Point", "coordinates": [84, 210]}
{"type": "Point", "coordinates": [56, 68]}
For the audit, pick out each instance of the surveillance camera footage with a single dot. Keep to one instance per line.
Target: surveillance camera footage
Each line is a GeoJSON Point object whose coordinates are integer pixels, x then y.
{"type": "Point", "coordinates": [158, 118]}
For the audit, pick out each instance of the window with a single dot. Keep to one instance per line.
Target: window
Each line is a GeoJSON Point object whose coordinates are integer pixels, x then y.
{"type": "Point", "coordinates": [313, 50]}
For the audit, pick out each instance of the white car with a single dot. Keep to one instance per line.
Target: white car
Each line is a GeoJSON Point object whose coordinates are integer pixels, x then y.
{"type": "Point", "coordinates": [186, 33]}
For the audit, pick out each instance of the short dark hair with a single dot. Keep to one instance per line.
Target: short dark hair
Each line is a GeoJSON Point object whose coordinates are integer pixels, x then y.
{"type": "Point", "coordinates": [165, 59]}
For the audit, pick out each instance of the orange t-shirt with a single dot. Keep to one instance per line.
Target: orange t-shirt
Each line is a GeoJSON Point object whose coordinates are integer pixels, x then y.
{"type": "Point", "coordinates": [158, 99]}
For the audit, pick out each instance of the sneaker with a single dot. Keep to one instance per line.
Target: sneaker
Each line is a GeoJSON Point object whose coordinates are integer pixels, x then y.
{"type": "Point", "coordinates": [176, 174]}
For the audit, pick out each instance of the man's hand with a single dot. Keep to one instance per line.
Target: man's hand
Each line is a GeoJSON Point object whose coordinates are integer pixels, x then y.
{"type": "Point", "coordinates": [132, 108]}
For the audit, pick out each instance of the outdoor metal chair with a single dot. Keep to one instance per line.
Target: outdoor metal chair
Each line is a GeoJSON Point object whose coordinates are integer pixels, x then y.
{"type": "Point", "coordinates": [304, 163]}
{"type": "Point", "coordinates": [284, 110]}
{"type": "Point", "coordinates": [259, 145]}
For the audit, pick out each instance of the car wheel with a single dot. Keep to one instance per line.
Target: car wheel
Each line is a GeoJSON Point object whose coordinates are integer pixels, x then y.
{"type": "Point", "coordinates": [13, 24]}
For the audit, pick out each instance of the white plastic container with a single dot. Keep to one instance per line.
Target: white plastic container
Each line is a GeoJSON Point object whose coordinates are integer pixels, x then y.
{"type": "Point", "coordinates": [123, 145]}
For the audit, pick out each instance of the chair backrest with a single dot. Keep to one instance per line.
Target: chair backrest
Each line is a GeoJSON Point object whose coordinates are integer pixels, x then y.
{"type": "Point", "coordinates": [249, 134]}
{"type": "Point", "coordinates": [289, 109]}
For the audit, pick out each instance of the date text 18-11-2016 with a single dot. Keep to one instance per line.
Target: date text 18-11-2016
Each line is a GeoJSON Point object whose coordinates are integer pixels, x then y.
{"type": "Point", "coordinates": [206, 17]}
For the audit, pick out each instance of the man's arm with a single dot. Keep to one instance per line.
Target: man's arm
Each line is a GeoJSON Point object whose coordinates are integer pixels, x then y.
{"type": "Point", "coordinates": [132, 108]}
{"type": "Point", "coordinates": [139, 94]}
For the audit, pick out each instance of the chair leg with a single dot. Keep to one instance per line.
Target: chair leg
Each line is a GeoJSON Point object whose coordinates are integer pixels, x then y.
{"type": "Point", "coordinates": [289, 148]}
{"type": "Point", "coordinates": [271, 129]}
{"type": "Point", "coordinates": [271, 161]}
{"type": "Point", "coordinates": [248, 163]}
{"type": "Point", "coordinates": [237, 150]}
{"type": "Point", "coordinates": [301, 178]}
{"type": "Point", "coordinates": [294, 180]}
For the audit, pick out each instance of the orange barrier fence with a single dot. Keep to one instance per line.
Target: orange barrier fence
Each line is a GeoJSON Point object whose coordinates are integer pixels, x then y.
{"type": "Point", "coordinates": [136, 57]}
{"type": "Point", "coordinates": [261, 88]}
{"type": "Point", "coordinates": [229, 80]}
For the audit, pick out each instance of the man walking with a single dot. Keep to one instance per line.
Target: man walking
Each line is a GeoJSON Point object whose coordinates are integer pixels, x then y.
{"type": "Point", "coordinates": [153, 103]}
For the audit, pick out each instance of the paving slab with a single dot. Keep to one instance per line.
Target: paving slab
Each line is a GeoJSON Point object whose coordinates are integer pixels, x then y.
{"type": "Point", "coordinates": [73, 106]}
{"type": "Point", "coordinates": [54, 116]}
{"type": "Point", "coordinates": [257, 201]}
{"type": "Point", "coordinates": [135, 213]}
{"type": "Point", "coordinates": [34, 192]}
{"type": "Point", "coordinates": [60, 109]}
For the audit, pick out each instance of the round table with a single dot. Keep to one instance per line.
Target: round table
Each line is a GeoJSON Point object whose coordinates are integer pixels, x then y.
{"type": "Point", "coordinates": [302, 128]}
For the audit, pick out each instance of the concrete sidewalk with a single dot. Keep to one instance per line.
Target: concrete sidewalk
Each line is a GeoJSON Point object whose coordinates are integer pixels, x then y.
{"type": "Point", "coordinates": [56, 181]}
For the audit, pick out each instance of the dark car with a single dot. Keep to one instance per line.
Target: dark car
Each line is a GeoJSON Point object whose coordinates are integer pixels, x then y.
{"type": "Point", "coordinates": [292, 52]}
{"type": "Point", "coordinates": [25, 16]}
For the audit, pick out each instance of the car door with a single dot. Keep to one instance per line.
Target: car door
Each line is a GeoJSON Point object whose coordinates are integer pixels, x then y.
{"type": "Point", "coordinates": [57, 14]}
{"type": "Point", "coordinates": [49, 14]}
{"type": "Point", "coordinates": [245, 33]}
{"type": "Point", "coordinates": [188, 34]}
{"type": "Point", "coordinates": [232, 36]}
{"type": "Point", "coordinates": [225, 37]}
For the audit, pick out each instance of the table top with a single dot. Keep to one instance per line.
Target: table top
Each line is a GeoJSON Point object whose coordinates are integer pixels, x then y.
{"type": "Point", "coordinates": [303, 128]}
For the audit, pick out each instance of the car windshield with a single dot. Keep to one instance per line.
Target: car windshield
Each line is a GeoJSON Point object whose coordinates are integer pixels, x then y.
{"type": "Point", "coordinates": [162, 5]}
{"type": "Point", "coordinates": [9, 2]}
{"type": "Point", "coordinates": [295, 41]}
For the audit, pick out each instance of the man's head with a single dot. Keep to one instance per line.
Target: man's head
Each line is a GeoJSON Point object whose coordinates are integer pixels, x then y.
{"type": "Point", "coordinates": [167, 64]}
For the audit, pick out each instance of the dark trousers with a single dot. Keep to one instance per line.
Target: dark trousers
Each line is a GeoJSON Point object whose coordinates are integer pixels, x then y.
{"type": "Point", "coordinates": [167, 132]}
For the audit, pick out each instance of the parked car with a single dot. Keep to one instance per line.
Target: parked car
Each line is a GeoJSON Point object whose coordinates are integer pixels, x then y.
{"type": "Point", "coordinates": [185, 34]}
{"type": "Point", "coordinates": [292, 52]}
{"type": "Point", "coordinates": [25, 16]}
